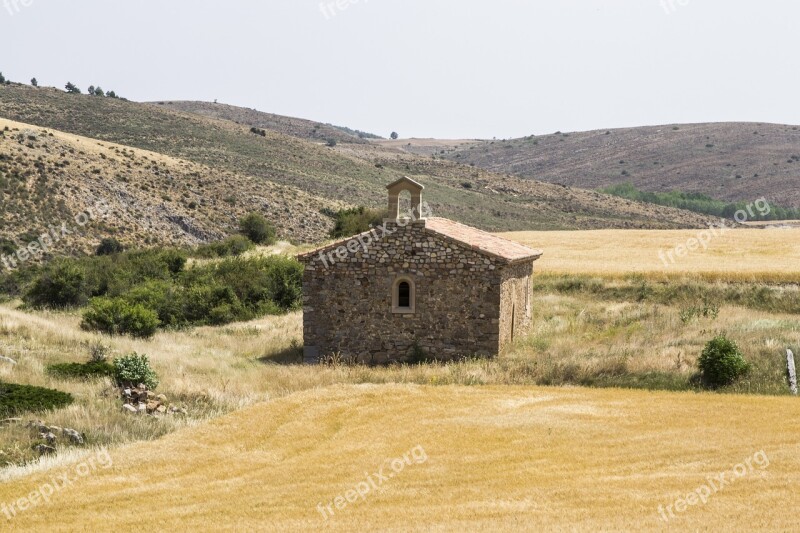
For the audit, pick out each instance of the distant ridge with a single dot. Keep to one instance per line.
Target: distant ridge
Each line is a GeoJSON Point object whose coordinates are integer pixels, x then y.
{"type": "Point", "coordinates": [726, 161]}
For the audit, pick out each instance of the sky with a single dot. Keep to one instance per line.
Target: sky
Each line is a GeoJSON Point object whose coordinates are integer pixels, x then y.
{"type": "Point", "coordinates": [426, 68]}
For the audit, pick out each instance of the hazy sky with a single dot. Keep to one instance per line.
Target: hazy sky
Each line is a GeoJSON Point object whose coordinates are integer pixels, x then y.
{"type": "Point", "coordinates": [427, 68]}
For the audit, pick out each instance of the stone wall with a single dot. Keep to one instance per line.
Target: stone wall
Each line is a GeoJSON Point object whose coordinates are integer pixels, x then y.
{"type": "Point", "coordinates": [516, 310]}
{"type": "Point", "coordinates": [348, 299]}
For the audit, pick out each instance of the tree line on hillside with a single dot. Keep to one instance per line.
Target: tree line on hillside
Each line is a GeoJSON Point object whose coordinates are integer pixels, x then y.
{"type": "Point", "coordinates": [699, 203]}
{"type": "Point", "coordinates": [71, 88]}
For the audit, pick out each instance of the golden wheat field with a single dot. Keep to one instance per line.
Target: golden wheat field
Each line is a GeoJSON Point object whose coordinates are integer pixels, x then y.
{"type": "Point", "coordinates": [735, 254]}
{"type": "Point", "coordinates": [403, 458]}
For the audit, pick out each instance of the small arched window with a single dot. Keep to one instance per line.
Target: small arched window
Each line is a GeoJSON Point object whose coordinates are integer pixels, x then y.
{"type": "Point", "coordinates": [403, 296]}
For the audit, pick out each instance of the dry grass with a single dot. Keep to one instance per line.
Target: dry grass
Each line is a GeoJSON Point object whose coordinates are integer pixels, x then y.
{"type": "Point", "coordinates": [516, 459]}
{"type": "Point", "coordinates": [738, 255]}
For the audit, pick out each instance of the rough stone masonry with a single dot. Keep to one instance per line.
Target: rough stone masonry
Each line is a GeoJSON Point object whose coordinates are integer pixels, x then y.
{"type": "Point", "coordinates": [427, 284]}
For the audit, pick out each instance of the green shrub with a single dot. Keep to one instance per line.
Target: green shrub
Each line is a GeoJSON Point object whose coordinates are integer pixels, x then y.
{"type": "Point", "coordinates": [350, 222]}
{"type": "Point", "coordinates": [721, 362]}
{"type": "Point", "coordinates": [90, 370]}
{"type": "Point", "coordinates": [62, 284]}
{"type": "Point", "coordinates": [19, 399]}
{"type": "Point", "coordinates": [175, 260]}
{"type": "Point", "coordinates": [133, 369]}
{"type": "Point", "coordinates": [285, 282]}
{"type": "Point", "coordinates": [230, 247]}
{"type": "Point", "coordinates": [165, 298]}
{"type": "Point", "coordinates": [213, 304]}
{"type": "Point", "coordinates": [115, 316]}
{"type": "Point", "coordinates": [258, 229]}
{"type": "Point", "coordinates": [109, 246]}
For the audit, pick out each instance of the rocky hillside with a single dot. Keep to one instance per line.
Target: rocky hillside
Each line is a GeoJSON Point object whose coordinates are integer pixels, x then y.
{"type": "Point", "coordinates": [47, 178]}
{"type": "Point", "coordinates": [351, 173]}
{"type": "Point", "coordinates": [728, 161]}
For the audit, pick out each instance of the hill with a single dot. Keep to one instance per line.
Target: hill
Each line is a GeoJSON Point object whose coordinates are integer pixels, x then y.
{"type": "Point", "coordinates": [726, 161]}
{"type": "Point", "coordinates": [459, 458]}
{"type": "Point", "coordinates": [295, 127]}
{"type": "Point", "coordinates": [48, 178]}
{"type": "Point", "coordinates": [352, 173]}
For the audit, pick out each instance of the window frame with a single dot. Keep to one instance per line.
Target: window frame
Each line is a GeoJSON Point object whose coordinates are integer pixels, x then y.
{"type": "Point", "coordinates": [412, 308]}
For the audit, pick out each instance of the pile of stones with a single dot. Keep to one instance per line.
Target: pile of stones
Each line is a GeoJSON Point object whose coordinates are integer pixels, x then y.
{"type": "Point", "coordinates": [139, 400]}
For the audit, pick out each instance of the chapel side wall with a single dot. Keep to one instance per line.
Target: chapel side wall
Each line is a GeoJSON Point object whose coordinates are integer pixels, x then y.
{"type": "Point", "coordinates": [516, 305]}
{"type": "Point", "coordinates": [348, 303]}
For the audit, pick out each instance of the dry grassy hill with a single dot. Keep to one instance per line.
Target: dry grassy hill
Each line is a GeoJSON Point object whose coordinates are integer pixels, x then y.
{"type": "Point", "coordinates": [352, 173]}
{"type": "Point", "coordinates": [49, 177]}
{"type": "Point", "coordinates": [729, 161]}
{"type": "Point", "coordinates": [295, 127]}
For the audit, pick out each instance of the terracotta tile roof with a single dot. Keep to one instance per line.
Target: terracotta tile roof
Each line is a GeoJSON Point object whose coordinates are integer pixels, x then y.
{"type": "Point", "coordinates": [482, 241]}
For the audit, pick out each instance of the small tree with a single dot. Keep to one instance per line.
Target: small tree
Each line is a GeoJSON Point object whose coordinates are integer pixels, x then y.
{"type": "Point", "coordinates": [2, 78]}
{"type": "Point", "coordinates": [34, 82]}
{"type": "Point", "coordinates": [91, 90]}
{"type": "Point", "coordinates": [99, 92]}
{"type": "Point", "coordinates": [258, 229]}
{"type": "Point", "coordinates": [331, 142]}
{"type": "Point", "coordinates": [721, 362]}
{"type": "Point", "coordinates": [72, 88]}
{"type": "Point", "coordinates": [61, 285]}
{"type": "Point", "coordinates": [111, 94]}
{"type": "Point", "coordinates": [394, 136]}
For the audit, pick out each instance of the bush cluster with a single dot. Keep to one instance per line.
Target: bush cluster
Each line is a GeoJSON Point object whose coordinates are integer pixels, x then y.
{"type": "Point", "coordinates": [721, 362]}
{"type": "Point", "coordinates": [230, 247]}
{"type": "Point", "coordinates": [136, 292]}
